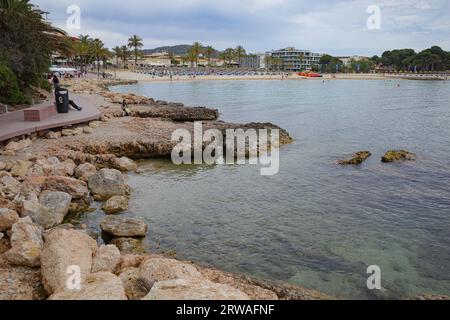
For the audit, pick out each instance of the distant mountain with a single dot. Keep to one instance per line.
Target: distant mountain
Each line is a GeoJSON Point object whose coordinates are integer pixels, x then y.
{"type": "Point", "coordinates": [177, 50]}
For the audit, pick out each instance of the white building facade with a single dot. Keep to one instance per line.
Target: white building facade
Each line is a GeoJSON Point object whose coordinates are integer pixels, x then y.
{"type": "Point", "coordinates": [297, 60]}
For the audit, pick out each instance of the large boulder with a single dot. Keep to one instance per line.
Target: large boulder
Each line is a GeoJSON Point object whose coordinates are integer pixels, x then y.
{"type": "Point", "coordinates": [135, 287]}
{"type": "Point", "coordinates": [10, 187]}
{"type": "Point", "coordinates": [161, 269]}
{"type": "Point", "coordinates": [63, 249]}
{"type": "Point", "coordinates": [97, 286]}
{"type": "Point", "coordinates": [85, 171]}
{"type": "Point", "coordinates": [124, 164]}
{"type": "Point", "coordinates": [116, 204]}
{"type": "Point", "coordinates": [123, 227]}
{"type": "Point", "coordinates": [198, 289]}
{"type": "Point", "coordinates": [26, 244]}
{"type": "Point", "coordinates": [26, 231]}
{"type": "Point", "coordinates": [76, 188]}
{"type": "Point", "coordinates": [51, 209]}
{"type": "Point", "coordinates": [108, 183]}
{"type": "Point", "coordinates": [7, 218]}
{"type": "Point", "coordinates": [106, 259]}
{"type": "Point", "coordinates": [20, 168]}
{"type": "Point", "coordinates": [25, 254]}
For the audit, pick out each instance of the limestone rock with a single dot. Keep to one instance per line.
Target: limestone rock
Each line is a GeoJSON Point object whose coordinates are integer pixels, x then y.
{"type": "Point", "coordinates": [51, 210]}
{"type": "Point", "coordinates": [123, 227]}
{"type": "Point", "coordinates": [1, 235]}
{"type": "Point", "coordinates": [129, 245]}
{"type": "Point", "coordinates": [87, 130]}
{"type": "Point", "coordinates": [17, 146]}
{"type": "Point", "coordinates": [107, 183]}
{"type": "Point", "coordinates": [85, 171]}
{"type": "Point", "coordinates": [97, 286]}
{"type": "Point", "coordinates": [25, 254]}
{"type": "Point", "coordinates": [357, 158]}
{"type": "Point", "coordinates": [10, 187]}
{"type": "Point", "coordinates": [53, 135]}
{"type": "Point", "coordinates": [116, 204]}
{"type": "Point", "coordinates": [26, 244]}
{"type": "Point", "coordinates": [199, 289]}
{"type": "Point", "coordinates": [68, 132]}
{"type": "Point", "coordinates": [76, 188]}
{"type": "Point", "coordinates": [63, 249]}
{"type": "Point", "coordinates": [125, 164]}
{"type": "Point", "coordinates": [135, 287]}
{"type": "Point", "coordinates": [7, 218]}
{"type": "Point", "coordinates": [398, 155]}
{"type": "Point", "coordinates": [106, 259]}
{"type": "Point", "coordinates": [20, 168]}
{"type": "Point", "coordinates": [26, 231]}
{"type": "Point", "coordinates": [2, 165]}
{"type": "Point", "coordinates": [160, 269]}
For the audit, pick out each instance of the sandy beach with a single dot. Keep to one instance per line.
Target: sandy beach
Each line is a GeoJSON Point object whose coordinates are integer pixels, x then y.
{"type": "Point", "coordinates": [129, 75]}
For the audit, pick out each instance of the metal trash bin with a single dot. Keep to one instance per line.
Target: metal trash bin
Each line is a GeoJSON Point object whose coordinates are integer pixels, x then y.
{"type": "Point", "coordinates": [62, 100]}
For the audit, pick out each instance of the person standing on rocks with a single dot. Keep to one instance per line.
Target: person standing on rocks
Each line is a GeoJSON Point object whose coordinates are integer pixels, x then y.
{"type": "Point", "coordinates": [126, 111]}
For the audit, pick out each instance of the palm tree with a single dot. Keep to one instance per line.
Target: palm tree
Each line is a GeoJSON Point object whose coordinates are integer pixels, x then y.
{"type": "Point", "coordinates": [124, 55]}
{"type": "Point", "coordinates": [117, 52]}
{"type": "Point", "coordinates": [82, 50]}
{"type": "Point", "coordinates": [228, 55]}
{"type": "Point", "coordinates": [239, 53]}
{"type": "Point", "coordinates": [194, 53]}
{"type": "Point", "coordinates": [209, 52]}
{"type": "Point", "coordinates": [268, 60]}
{"type": "Point", "coordinates": [135, 43]}
{"type": "Point", "coordinates": [97, 50]}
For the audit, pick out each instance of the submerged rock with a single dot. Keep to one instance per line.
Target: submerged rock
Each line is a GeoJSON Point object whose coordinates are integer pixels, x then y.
{"type": "Point", "coordinates": [125, 164]}
{"type": "Point", "coordinates": [199, 289]}
{"type": "Point", "coordinates": [116, 204]}
{"type": "Point", "coordinates": [123, 227]}
{"type": "Point", "coordinates": [357, 158]}
{"type": "Point", "coordinates": [398, 155]}
{"type": "Point", "coordinates": [129, 245]}
{"type": "Point", "coordinates": [107, 183]}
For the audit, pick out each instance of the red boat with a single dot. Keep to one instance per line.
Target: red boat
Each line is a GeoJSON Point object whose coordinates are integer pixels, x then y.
{"type": "Point", "coordinates": [310, 75]}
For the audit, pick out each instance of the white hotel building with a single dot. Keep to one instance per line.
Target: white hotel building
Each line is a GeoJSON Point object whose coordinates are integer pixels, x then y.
{"type": "Point", "coordinates": [297, 60]}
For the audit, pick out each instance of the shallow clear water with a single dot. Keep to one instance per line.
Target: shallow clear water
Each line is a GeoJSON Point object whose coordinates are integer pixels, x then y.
{"type": "Point", "coordinates": [315, 224]}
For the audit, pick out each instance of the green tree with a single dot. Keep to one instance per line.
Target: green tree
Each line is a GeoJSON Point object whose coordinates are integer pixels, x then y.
{"type": "Point", "coordinates": [209, 52]}
{"type": "Point", "coordinates": [239, 52]}
{"type": "Point", "coordinates": [28, 41]}
{"type": "Point", "coordinates": [135, 43]}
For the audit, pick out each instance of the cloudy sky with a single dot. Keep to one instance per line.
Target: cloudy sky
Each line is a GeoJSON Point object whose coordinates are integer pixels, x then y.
{"type": "Point", "coordinates": [337, 27]}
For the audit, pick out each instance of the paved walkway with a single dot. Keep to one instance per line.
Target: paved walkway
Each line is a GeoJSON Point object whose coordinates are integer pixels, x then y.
{"type": "Point", "coordinates": [12, 124]}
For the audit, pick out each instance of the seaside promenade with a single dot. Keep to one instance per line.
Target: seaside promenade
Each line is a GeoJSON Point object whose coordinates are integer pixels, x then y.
{"type": "Point", "coordinates": [13, 124]}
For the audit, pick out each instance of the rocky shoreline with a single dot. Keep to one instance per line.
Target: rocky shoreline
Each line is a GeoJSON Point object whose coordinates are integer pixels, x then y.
{"type": "Point", "coordinates": [49, 176]}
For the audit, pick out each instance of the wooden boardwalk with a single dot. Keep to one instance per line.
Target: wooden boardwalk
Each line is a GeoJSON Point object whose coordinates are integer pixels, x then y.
{"type": "Point", "coordinates": [12, 124]}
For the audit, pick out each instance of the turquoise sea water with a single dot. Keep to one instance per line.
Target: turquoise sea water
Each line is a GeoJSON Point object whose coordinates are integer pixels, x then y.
{"type": "Point", "coordinates": [315, 224]}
